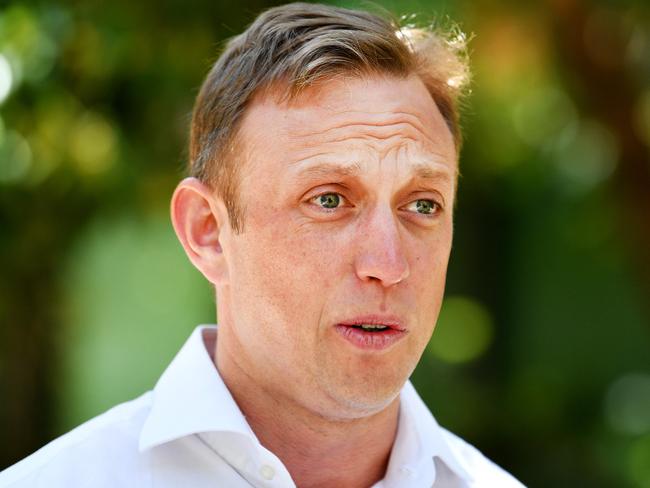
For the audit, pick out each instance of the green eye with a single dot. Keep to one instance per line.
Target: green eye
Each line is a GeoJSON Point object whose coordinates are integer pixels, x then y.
{"type": "Point", "coordinates": [425, 207]}
{"type": "Point", "coordinates": [329, 200]}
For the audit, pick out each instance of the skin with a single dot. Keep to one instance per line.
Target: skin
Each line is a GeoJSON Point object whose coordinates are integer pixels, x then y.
{"type": "Point", "coordinates": [373, 148]}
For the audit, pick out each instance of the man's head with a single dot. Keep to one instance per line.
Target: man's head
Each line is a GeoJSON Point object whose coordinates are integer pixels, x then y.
{"type": "Point", "coordinates": [343, 167]}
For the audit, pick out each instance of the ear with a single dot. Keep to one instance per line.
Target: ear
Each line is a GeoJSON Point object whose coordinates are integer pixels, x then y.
{"type": "Point", "coordinates": [199, 219]}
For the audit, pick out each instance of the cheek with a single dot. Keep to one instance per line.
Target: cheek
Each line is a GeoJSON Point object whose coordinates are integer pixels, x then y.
{"type": "Point", "coordinates": [431, 256]}
{"type": "Point", "coordinates": [287, 272]}
{"type": "Point", "coordinates": [428, 275]}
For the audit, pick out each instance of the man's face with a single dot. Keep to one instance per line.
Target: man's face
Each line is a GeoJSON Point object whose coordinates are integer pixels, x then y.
{"type": "Point", "coordinates": [347, 194]}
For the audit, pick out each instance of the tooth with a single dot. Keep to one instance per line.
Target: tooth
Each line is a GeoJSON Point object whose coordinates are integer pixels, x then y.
{"type": "Point", "coordinates": [373, 327]}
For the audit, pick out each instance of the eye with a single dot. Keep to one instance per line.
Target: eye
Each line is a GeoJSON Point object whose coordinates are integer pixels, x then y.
{"type": "Point", "coordinates": [423, 206]}
{"type": "Point", "coordinates": [328, 201]}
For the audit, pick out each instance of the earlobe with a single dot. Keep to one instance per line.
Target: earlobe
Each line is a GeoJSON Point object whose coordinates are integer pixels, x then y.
{"type": "Point", "coordinates": [199, 218]}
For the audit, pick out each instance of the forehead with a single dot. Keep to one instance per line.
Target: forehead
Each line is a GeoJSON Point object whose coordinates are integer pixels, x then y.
{"type": "Point", "coordinates": [375, 114]}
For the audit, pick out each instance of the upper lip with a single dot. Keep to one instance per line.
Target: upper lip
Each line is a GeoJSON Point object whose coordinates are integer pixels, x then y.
{"type": "Point", "coordinates": [387, 320]}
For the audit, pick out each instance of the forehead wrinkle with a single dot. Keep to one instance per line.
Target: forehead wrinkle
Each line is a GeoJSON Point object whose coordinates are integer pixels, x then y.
{"type": "Point", "coordinates": [428, 165]}
{"type": "Point", "coordinates": [379, 144]}
{"type": "Point", "coordinates": [375, 138]}
{"type": "Point", "coordinates": [378, 126]}
{"type": "Point", "coordinates": [379, 119]}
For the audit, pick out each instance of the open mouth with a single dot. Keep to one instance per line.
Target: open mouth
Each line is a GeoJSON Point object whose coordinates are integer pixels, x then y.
{"type": "Point", "coordinates": [372, 333]}
{"type": "Point", "coordinates": [371, 327]}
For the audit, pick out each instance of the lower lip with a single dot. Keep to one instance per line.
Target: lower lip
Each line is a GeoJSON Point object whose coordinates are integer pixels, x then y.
{"type": "Point", "coordinates": [374, 341]}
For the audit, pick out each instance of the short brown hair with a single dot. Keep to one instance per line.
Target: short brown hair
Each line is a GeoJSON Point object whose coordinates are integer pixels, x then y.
{"type": "Point", "coordinates": [298, 45]}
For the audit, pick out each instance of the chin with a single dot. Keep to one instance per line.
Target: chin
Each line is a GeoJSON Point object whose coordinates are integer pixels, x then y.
{"type": "Point", "coordinates": [363, 398]}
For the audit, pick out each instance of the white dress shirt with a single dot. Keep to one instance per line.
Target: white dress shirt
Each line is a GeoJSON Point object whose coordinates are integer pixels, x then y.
{"type": "Point", "coordinates": [189, 432]}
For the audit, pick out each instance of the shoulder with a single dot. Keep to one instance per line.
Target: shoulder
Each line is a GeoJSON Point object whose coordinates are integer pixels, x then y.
{"type": "Point", "coordinates": [483, 471]}
{"type": "Point", "coordinates": [88, 454]}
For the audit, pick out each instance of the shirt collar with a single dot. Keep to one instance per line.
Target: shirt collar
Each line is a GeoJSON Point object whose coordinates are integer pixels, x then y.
{"type": "Point", "coordinates": [190, 397]}
{"type": "Point", "coordinates": [420, 440]}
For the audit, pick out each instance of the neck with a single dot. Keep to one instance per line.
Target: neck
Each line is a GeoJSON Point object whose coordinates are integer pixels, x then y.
{"type": "Point", "coordinates": [317, 451]}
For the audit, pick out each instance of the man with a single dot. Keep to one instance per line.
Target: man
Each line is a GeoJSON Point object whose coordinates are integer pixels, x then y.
{"type": "Point", "coordinates": [324, 155]}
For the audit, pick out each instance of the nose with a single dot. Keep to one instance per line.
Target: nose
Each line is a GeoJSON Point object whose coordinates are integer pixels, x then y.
{"type": "Point", "coordinates": [380, 256]}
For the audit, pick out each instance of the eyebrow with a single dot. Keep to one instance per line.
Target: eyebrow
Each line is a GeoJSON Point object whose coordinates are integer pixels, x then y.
{"type": "Point", "coordinates": [421, 170]}
{"type": "Point", "coordinates": [330, 169]}
{"type": "Point", "coordinates": [428, 172]}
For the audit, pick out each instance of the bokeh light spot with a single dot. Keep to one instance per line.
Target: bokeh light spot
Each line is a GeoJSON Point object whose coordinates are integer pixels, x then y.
{"type": "Point", "coordinates": [589, 157]}
{"type": "Point", "coordinates": [15, 157]}
{"type": "Point", "coordinates": [93, 144]}
{"type": "Point", "coordinates": [464, 331]}
{"type": "Point", "coordinates": [6, 78]}
{"type": "Point", "coordinates": [543, 115]}
{"type": "Point", "coordinates": [130, 300]}
{"type": "Point", "coordinates": [627, 404]}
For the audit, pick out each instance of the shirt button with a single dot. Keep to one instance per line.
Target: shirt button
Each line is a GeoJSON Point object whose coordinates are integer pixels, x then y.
{"type": "Point", "coordinates": [267, 472]}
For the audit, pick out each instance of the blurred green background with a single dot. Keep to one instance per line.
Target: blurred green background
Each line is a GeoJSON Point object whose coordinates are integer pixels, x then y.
{"type": "Point", "coordinates": [542, 352]}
